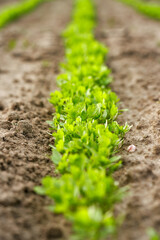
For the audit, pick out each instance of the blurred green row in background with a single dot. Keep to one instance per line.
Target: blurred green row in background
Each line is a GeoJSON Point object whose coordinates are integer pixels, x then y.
{"type": "Point", "coordinates": [16, 10]}
{"type": "Point", "coordinates": [150, 8]}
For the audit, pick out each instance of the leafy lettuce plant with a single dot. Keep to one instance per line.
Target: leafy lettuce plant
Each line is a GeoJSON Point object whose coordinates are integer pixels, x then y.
{"type": "Point", "coordinates": [86, 134]}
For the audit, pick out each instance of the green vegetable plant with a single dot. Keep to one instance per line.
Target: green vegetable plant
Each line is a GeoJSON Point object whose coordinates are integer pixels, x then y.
{"type": "Point", "coordinates": [149, 9]}
{"type": "Point", "coordinates": [86, 134]}
{"type": "Point", "coordinates": [14, 11]}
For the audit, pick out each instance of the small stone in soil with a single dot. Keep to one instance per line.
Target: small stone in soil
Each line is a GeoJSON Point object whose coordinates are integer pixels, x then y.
{"type": "Point", "coordinates": [131, 148]}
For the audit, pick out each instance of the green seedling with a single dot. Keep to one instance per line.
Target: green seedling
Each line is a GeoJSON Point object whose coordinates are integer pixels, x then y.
{"type": "Point", "coordinates": [11, 44]}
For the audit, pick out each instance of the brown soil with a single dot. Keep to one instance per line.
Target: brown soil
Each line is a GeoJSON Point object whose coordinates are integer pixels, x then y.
{"type": "Point", "coordinates": [134, 57]}
{"type": "Point", "coordinates": [30, 51]}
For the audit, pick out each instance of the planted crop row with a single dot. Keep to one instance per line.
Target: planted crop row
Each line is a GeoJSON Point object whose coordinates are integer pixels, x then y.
{"type": "Point", "coordinates": [8, 14]}
{"type": "Point", "coordinates": [86, 134]}
{"type": "Point", "coordinates": [150, 9]}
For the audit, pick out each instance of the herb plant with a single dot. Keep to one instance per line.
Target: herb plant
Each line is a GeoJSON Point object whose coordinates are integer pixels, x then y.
{"type": "Point", "coordinates": [86, 134]}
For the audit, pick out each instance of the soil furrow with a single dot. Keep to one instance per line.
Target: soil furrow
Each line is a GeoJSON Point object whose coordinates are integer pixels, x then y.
{"type": "Point", "coordinates": [133, 42]}
{"type": "Point", "coordinates": [30, 51]}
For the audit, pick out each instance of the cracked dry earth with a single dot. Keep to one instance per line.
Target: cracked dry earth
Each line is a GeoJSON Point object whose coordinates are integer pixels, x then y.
{"type": "Point", "coordinates": [30, 51]}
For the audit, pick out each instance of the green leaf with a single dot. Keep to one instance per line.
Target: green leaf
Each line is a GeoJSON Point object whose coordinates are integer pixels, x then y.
{"type": "Point", "coordinates": [113, 111]}
{"type": "Point", "coordinates": [39, 190]}
{"type": "Point", "coordinates": [56, 156]}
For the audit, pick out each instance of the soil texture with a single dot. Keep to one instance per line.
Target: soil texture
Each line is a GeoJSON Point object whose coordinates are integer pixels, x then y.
{"type": "Point", "coordinates": [30, 51]}
{"type": "Point", "coordinates": [134, 57]}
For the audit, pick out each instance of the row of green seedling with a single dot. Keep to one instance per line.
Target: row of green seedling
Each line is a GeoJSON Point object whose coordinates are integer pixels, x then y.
{"type": "Point", "coordinates": [14, 11]}
{"type": "Point", "coordinates": [147, 8]}
{"type": "Point", "coordinates": [86, 134]}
